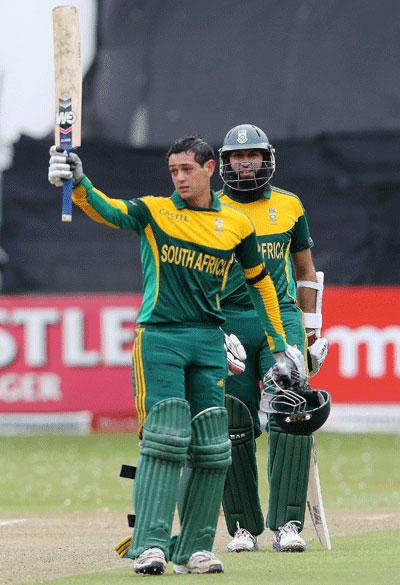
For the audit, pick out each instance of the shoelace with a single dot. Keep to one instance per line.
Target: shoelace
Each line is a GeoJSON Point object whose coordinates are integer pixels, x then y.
{"type": "Point", "coordinates": [203, 555]}
{"type": "Point", "coordinates": [290, 527]}
{"type": "Point", "coordinates": [150, 552]}
{"type": "Point", "coordinates": [242, 532]}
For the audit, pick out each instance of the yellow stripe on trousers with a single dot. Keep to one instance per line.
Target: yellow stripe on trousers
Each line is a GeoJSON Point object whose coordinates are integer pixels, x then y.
{"type": "Point", "coordinates": [140, 398]}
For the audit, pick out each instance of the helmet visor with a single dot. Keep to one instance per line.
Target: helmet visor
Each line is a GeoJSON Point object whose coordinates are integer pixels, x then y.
{"type": "Point", "coordinates": [247, 178]}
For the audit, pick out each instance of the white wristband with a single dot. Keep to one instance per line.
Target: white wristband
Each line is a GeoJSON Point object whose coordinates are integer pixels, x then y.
{"type": "Point", "coordinates": [309, 284]}
{"type": "Point", "coordinates": [312, 320]}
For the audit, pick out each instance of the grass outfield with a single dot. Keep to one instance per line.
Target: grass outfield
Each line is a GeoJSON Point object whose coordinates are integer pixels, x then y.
{"type": "Point", "coordinates": [58, 473]}
{"type": "Point", "coordinates": [367, 559]}
{"type": "Point", "coordinates": [359, 473]}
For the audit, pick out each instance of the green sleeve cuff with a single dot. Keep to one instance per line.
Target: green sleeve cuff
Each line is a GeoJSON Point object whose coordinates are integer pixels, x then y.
{"type": "Point", "coordinates": [85, 182]}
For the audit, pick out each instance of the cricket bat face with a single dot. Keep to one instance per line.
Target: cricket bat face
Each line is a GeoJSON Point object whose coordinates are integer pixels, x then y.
{"type": "Point", "coordinates": [315, 503]}
{"type": "Point", "coordinates": [68, 77]}
{"type": "Point", "coordinates": [68, 89]}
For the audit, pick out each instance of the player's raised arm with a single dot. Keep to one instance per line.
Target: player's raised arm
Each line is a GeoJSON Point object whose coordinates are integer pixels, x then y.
{"type": "Point", "coordinates": [116, 213]}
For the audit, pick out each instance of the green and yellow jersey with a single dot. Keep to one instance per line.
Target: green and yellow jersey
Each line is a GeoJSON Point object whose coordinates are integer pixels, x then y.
{"type": "Point", "coordinates": [282, 229]}
{"type": "Point", "coordinates": [186, 256]}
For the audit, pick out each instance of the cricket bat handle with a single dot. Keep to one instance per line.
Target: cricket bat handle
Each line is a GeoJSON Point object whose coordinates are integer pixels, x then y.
{"type": "Point", "coordinates": [66, 213]}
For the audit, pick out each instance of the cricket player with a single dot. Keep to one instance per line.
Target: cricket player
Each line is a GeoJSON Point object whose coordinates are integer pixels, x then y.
{"type": "Point", "coordinates": [247, 163]}
{"type": "Point", "coordinates": [188, 242]}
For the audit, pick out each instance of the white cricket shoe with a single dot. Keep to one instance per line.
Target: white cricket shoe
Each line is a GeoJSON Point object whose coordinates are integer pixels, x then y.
{"type": "Point", "coordinates": [242, 540]}
{"type": "Point", "coordinates": [287, 538]}
{"type": "Point", "coordinates": [152, 561]}
{"type": "Point", "coordinates": [202, 561]}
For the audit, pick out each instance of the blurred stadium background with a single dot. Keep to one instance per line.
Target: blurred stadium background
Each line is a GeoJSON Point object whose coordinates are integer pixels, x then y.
{"type": "Point", "coordinates": [321, 78]}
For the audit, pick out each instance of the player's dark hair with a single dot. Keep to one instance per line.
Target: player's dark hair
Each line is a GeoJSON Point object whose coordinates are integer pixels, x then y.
{"type": "Point", "coordinates": [202, 151]}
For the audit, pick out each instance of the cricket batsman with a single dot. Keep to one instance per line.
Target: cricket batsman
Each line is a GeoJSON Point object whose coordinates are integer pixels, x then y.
{"type": "Point", "coordinates": [188, 243]}
{"type": "Point", "coordinates": [247, 164]}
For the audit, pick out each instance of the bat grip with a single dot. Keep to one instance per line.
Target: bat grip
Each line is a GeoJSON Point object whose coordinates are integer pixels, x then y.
{"type": "Point", "coordinates": [66, 214]}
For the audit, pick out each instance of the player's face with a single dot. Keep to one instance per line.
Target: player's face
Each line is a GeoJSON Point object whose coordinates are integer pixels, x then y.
{"type": "Point", "coordinates": [190, 179]}
{"type": "Point", "coordinates": [246, 162]}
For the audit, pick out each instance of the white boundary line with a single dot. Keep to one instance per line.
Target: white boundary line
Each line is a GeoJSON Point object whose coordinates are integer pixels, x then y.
{"type": "Point", "coordinates": [12, 521]}
{"type": "Point", "coordinates": [33, 423]}
{"type": "Point", "coordinates": [364, 418]}
{"type": "Point", "coordinates": [344, 418]}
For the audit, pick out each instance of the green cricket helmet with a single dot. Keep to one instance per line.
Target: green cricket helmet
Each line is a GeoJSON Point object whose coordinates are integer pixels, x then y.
{"type": "Point", "coordinates": [298, 412]}
{"type": "Point", "coordinates": [246, 137]}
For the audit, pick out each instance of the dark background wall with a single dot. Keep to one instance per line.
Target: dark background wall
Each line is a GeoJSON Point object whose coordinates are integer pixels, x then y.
{"type": "Point", "coordinates": [321, 78]}
{"type": "Point", "coordinates": [349, 185]}
{"type": "Point", "coordinates": [294, 67]}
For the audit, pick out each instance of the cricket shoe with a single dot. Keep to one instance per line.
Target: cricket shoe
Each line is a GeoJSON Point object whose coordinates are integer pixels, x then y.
{"type": "Point", "coordinates": [287, 538]}
{"type": "Point", "coordinates": [202, 561]}
{"type": "Point", "coordinates": [152, 561]}
{"type": "Point", "coordinates": [242, 540]}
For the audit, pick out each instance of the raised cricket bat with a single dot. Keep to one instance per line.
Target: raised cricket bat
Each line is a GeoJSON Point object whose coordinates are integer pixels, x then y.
{"type": "Point", "coordinates": [68, 89]}
{"type": "Point", "coordinates": [314, 502]}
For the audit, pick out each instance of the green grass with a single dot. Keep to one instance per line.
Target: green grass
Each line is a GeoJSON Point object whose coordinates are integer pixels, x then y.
{"type": "Point", "coordinates": [358, 472]}
{"type": "Point", "coordinates": [56, 473]}
{"type": "Point", "coordinates": [364, 559]}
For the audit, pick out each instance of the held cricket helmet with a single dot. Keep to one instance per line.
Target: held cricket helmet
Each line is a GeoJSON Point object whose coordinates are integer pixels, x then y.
{"type": "Point", "coordinates": [298, 412]}
{"type": "Point", "coordinates": [246, 137]}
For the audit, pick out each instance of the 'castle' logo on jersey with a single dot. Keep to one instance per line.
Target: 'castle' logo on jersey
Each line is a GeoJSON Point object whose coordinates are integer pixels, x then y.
{"type": "Point", "coordinates": [219, 225]}
{"type": "Point", "coordinates": [272, 215]}
{"type": "Point", "coordinates": [242, 136]}
{"type": "Point", "coordinates": [172, 215]}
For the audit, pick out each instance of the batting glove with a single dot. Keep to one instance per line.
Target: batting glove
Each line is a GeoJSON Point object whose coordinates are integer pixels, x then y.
{"type": "Point", "coordinates": [316, 355]}
{"type": "Point", "coordinates": [289, 370]}
{"type": "Point", "coordinates": [63, 165]}
{"type": "Point", "coordinates": [235, 354]}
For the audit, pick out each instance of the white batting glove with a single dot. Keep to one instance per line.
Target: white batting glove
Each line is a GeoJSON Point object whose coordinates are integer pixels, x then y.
{"type": "Point", "coordinates": [289, 370]}
{"type": "Point", "coordinates": [235, 354]}
{"type": "Point", "coordinates": [316, 355]}
{"type": "Point", "coordinates": [63, 165]}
